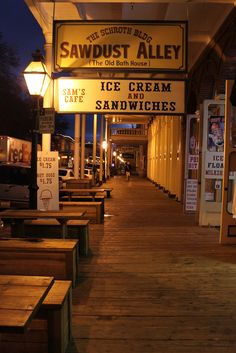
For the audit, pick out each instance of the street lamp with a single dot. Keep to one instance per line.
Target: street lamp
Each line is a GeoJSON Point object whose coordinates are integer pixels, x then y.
{"type": "Point", "coordinates": [37, 80]}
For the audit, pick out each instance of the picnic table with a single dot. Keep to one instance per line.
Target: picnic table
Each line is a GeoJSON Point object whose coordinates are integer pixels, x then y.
{"type": "Point", "coordinates": [21, 297]}
{"type": "Point", "coordinates": [62, 216]}
{"type": "Point", "coordinates": [72, 191]}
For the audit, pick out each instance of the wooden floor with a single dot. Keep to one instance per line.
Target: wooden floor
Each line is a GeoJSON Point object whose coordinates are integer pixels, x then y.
{"type": "Point", "coordinates": [155, 282]}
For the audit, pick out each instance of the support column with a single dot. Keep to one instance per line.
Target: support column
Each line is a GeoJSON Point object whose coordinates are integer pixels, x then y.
{"type": "Point", "coordinates": [109, 151]}
{"type": "Point", "coordinates": [101, 150]}
{"type": "Point", "coordinates": [83, 146]}
{"type": "Point", "coordinates": [141, 160]}
{"type": "Point", "coordinates": [106, 149]}
{"type": "Point", "coordinates": [77, 146]}
{"type": "Point", "coordinates": [48, 98]}
{"type": "Point", "coordinates": [94, 147]}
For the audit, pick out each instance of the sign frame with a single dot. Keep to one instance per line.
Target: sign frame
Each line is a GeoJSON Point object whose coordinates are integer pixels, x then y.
{"type": "Point", "coordinates": [92, 32]}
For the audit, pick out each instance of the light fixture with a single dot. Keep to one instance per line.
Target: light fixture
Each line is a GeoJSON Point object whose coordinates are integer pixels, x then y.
{"type": "Point", "coordinates": [36, 76]}
{"type": "Point", "coordinates": [37, 80]}
{"type": "Point", "coordinates": [104, 145]}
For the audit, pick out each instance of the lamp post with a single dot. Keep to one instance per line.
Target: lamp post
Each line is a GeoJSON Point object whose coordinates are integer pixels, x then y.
{"type": "Point", "coordinates": [37, 81]}
{"type": "Point", "coordinates": [104, 146]}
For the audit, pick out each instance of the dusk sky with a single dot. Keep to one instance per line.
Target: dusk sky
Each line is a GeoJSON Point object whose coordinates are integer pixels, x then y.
{"type": "Point", "coordinates": [20, 30]}
{"type": "Point", "coordinates": [23, 34]}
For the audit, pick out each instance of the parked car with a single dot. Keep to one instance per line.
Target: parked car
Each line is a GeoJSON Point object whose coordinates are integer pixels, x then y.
{"type": "Point", "coordinates": [88, 173]}
{"type": "Point", "coordinates": [65, 174]}
{"type": "Point", "coordinates": [14, 185]}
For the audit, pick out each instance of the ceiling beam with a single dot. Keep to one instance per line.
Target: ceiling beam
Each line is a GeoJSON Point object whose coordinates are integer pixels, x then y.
{"type": "Point", "coordinates": [144, 1]}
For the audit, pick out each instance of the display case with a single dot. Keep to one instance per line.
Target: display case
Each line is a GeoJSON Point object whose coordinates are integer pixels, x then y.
{"type": "Point", "coordinates": [212, 162]}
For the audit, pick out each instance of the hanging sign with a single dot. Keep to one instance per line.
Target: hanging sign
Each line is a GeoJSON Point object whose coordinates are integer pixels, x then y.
{"type": "Point", "coordinates": [120, 96]}
{"type": "Point", "coordinates": [159, 46]}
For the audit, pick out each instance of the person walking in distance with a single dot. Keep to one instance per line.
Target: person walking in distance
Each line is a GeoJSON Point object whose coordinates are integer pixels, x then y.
{"type": "Point", "coordinates": [127, 170]}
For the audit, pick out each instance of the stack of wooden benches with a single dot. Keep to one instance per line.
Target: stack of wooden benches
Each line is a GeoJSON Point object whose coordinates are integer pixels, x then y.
{"type": "Point", "coordinates": [38, 270]}
{"type": "Point", "coordinates": [42, 327]}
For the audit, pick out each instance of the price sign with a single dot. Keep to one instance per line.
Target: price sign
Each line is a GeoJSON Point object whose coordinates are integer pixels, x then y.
{"type": "Point", "coordinates": [47, 180]}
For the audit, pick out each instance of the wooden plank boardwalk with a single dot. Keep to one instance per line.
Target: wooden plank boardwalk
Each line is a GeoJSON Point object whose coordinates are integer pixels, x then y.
{"type": "Point", "coordinates": [155, 281]}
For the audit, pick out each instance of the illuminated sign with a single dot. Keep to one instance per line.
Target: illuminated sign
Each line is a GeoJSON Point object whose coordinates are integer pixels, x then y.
{"type": "Point", "coordinates": [120, 96]}
{"type": "Point", "coordinates": [159, 46]}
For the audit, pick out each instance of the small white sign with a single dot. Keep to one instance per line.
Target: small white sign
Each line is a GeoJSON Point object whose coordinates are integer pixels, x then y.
{"type": "Point", "coordinates": [47, 180]}
{"type": "Point", "coordinates": [218, 184]}
{"type": "Point", "coordinates": [47, 121]}
{"type": "Point", "coordinates": [193, 161]}
{"type": "Point", "coordinates": [191, 195]}
{"type": "Point", "coordinates": [214, 165]}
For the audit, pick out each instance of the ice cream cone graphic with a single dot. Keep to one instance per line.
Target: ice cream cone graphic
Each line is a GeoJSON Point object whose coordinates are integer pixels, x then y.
{"type": "Point", "coordinates": [46, 196]}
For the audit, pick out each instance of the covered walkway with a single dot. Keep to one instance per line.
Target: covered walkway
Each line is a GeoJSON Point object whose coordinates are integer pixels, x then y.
{"type": "Point", "coordinates": [155, 282]}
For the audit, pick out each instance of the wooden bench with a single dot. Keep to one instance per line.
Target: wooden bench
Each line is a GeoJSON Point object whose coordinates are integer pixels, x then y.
{"type": "Point", "coordinates": [50, 330]}
{"type": "Point", "coordinates": [57, 311]}
{"type": "Point", "coordinates": [108, 191]}
{"type": "Point", "coordinates": [81, 198]}
{"type": "Point", "coordinates": [19, 216]}
{"type": "Point", "coordinates": [79, 183]}
{"type": "Point", "coordinates": [40, 257]}
{"type": "Point", "coordinates": [50, 228]}
{"type": "Point", "coordinates": [94, 210]}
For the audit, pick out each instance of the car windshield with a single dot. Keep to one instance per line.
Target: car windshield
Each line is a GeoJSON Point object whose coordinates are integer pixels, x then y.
{"type": "Point", "coordinates": [14, 175]}
{"type": "Point", "coordinates": [62, 172]}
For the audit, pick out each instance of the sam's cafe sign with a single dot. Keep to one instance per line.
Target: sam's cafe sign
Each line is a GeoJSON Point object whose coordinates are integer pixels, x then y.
{"type": "Point", "coordinates": [119, 96]}
{"type": "Point", "coordinates": [120, 46]}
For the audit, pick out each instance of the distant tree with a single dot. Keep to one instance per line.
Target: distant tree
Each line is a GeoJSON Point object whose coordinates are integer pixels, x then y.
{"type": "Point", "coordinates": [61, 124]}
{"type": "Point", "coordinates": [15, 113]}
{"type": "Point", "coordinates": [16, 106]}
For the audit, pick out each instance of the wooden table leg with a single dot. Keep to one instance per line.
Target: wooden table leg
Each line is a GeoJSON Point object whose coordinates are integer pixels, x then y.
{"type": "Point", "coordinates": [17, 227]}
{"type": "Point", "coordinates": [64, 229]}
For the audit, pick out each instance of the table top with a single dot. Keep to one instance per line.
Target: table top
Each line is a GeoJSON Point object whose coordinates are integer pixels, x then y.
{"type": "Point", "coordinates": [21, 297]}
{"type": "Point", "coordinates": [30, 214]}
{"type": "Point", "coordinates": [39, 244]}
{"type": "Point", "coordinates": [74, 190]}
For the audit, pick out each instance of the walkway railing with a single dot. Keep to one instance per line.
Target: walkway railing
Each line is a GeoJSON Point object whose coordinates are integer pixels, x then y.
{"type": "Point", "coordinates": [130, 132]}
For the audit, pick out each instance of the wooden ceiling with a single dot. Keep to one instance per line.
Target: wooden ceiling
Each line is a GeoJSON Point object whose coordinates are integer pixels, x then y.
{"type": "Point", "coordinates": [204, 17]}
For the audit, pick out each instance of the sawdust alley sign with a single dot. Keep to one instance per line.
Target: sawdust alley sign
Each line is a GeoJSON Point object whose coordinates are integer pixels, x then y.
{"type": "Point", "coordinates": [159, 46]}
{"type": "Point", "coordinates": [120, 96]}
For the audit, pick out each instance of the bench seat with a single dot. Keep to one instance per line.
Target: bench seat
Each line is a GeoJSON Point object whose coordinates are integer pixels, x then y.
{"type": "Point", "coordinates": [86, 198]}
{"type": "Point", "coordinates": [40, 257]}
{"type": "Point", "coordinates": [50, 228]}
{"type": "Point", "coordinates": [94, 210]}
{"type": "Point", "coordinates": [50, 330]}
{"type": "Point", "coordinates": [108, 191]}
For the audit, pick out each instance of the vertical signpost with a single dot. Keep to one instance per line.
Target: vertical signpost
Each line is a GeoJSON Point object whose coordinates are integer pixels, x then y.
{"type": "Point", "coordinates": [228, 213]}
{"type": "Point", "coordinates": [212, 162]}
{"type": "Point", "coordinates": [191, 163]}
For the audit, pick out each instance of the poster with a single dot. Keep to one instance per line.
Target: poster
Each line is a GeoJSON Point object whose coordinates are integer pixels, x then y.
{"type": "Point", "coordinates": [215, 140]}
